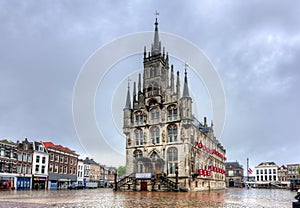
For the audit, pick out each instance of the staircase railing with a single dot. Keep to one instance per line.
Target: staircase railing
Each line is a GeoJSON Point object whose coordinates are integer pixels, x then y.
{"type": "Point", "coordinates": [125, 180]}
{"type": "Point", "coordinates": [171, 185]}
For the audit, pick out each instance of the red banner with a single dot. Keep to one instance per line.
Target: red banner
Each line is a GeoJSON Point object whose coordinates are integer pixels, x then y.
{"type": "Point", "coordinates": [201, 146]}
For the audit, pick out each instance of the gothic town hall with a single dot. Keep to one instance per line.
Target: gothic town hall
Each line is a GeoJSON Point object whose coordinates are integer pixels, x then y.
{"type": "Point", "coordinates": [167, 148]}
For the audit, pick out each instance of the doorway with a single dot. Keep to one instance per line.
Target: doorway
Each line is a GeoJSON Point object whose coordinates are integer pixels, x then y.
{"type": "Point", "coordinates": [144, 186]}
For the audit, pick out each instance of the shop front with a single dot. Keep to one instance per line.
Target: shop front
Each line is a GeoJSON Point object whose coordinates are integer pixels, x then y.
{"type": "Point", "coordinates": [7, 182]}
{"type": "Point", "coordinates": [39, 183]}
{"type": "Point", "coordinates": [23, 183]}
{"type": "Point", "coordinates": [60, 181]}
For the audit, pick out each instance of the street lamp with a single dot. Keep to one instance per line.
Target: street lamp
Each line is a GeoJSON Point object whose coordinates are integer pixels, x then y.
{"type": "Point", "coordinates": [176, 173]}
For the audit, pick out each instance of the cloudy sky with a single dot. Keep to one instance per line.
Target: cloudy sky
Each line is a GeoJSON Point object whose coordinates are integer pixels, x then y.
{"type": "Point", "coordinates": [253, 45]}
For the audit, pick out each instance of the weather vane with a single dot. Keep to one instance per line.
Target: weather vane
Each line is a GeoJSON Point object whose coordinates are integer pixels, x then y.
{"type": "Point", "coordinates": [185, 66]}
{"type": "Point", "coordinates": [156, 14]}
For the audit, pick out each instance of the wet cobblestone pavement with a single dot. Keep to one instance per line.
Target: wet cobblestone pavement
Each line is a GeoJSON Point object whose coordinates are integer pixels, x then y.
{"type": "Point", "coordinates": [229, 198]}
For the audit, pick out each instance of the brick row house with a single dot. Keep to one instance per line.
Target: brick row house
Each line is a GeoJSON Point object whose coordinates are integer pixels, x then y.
{"type": "Point", "coordinates": [41, 165]}
{"type": "Point", "coordinates": [24, 165]}
{"type": "Point", "coordinates": [62, 168]}
{"type": "Point", "coordinates": [8, 164]}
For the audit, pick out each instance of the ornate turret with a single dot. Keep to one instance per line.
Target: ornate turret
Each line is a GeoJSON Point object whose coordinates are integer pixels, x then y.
{"type": "Point", "coordinates": [178, 86]}
{"type": "Point", "coordinates": [127, 111]}
{"type": "Point", "coordinates": [172, 80]}
{"type": "Point", "coordinates": [186, 102]}
{"type": "Point", "coordinates": [185, 86]}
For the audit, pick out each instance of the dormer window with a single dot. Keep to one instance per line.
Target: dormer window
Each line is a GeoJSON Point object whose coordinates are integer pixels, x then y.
{"type": "Point", "coordinates": [41, 148]}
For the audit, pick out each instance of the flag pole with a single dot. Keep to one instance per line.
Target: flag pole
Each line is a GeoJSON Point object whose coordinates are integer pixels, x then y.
{"type": "Point", "coordinates": [247, 169]}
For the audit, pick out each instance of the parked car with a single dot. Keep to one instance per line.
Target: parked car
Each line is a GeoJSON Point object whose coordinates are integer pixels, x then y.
{"type": "Point", "coordinates": [76, 186]}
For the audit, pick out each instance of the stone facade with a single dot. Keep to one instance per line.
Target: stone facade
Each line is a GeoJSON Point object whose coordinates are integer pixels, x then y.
{"type": "Point", "coordinates": [161, 131]}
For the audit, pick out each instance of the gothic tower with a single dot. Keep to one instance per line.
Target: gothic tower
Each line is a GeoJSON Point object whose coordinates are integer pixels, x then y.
{"type": "Point", "coordinates": [162, 134]}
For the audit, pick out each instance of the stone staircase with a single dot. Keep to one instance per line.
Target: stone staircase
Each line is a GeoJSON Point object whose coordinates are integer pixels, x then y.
{"type": "Point", "coordinates": [162, 183]}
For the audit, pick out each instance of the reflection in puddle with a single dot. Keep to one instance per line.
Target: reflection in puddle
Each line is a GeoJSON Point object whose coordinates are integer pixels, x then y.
{"type": "Point", "coordinates": [108, 198]}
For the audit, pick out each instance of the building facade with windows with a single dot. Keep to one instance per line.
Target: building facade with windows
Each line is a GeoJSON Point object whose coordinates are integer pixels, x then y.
{"type": "Point", "coordinates": [80, 172]}
{"type": "Point", "coordinates": [266, 172]}
{"type": "Point", "coordinates": [234, 174]}
{"type": "Point", "coordinates": [93, 171]}
{"type": "Point", "coordinates": [162, 134]}
{"type": "Point", "coordinates": [39, 166]}
{"type": "Point", "coordinates": [8, 164]}
{"type": "Point", "coordinates": [24, 165]}
{"type": "Point", "coordinates": [292, 171]}
{"type": "Point", "coordinates": [62, 168]}
{"type": "Point", "coordinates": [282, 174]}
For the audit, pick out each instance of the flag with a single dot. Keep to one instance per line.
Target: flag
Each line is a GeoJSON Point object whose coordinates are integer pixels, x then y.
{"type": "Point", "coordinates": [250, 171]}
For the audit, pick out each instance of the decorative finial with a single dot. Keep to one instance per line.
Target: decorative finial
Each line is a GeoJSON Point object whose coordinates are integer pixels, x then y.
{"type": "Point", "coordinates": [185, 67]}
{"type": "Point", "coordinates": [128, 80]}
{"type": "Point", "coordinates": [156, 14]}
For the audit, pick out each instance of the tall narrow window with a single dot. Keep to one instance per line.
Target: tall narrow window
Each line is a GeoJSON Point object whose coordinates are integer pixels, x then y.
{"type": "Point", "coordinates": [29, 158]}
{"type": "Point", "coordinates": [139, 118]}
{"type": "Point", "coordinates": [172, 159]}
{"type": "Point", "coordinates": [51, 168]}
{"type": "Point", "coordinates": [37, 159]}
{"type": "Point", "coordinates": [56, 158]}
{"type": "Point", "coordinates": [2, 151]}
{"type": "Point", "coordinates": [20, 156]}
{"type": "Point", "coordinates": [43, 160]}
{"type": "Point", "coordinates": [155, 116]}
{"type": "Point", "coordinates": [24, 157]}
{"type": "Point", "coordinates": [172, 113]}
{"type": "Point", "coordinates": [2, 167]}
{"type": "Point", "coordinates": [10, 167]}
{"type": "Point", "coordinates": [37, 168]}
{"type": "Point", "coordinates": [172, 133]}
{"type": "Point", "coordinates": [51, 157]}
{"type": "Point", "coordinates": [43, 169]}
{"type": "Point", "coordinates": [139, 137]}
{"type": "Point", "coordinates": [55, 168]}
{"type": "Point", "coordinates": [155, 135]}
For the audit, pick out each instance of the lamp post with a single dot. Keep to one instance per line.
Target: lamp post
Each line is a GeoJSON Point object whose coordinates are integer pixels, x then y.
{"type": "Point", "coordinates": [116, 183]}
{"type": "Point", "coordinates": [176, 174]}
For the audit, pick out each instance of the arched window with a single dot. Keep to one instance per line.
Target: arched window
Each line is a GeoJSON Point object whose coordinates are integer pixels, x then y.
{"type": "Point", "coordinates": [172, 156]}
{"type": "Point", "coordinates": [155, 135]}
{"type": "Point", "coordinates": [172, 133]}
{"type": "Point", "coordinates": [172, 113]}
{"type": "Point", "coordinates": [137, 154]}
{"type": "Point", "coordinates": [139, 137]}
{"type": "Point", "coordinates": [154, 156]}
{"type": "Point", "coordinates": [155, 116]}
{"type": "Point", "coordinates": [139, 118]}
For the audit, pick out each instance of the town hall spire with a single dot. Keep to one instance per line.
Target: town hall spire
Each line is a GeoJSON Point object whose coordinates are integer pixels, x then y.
{"type": "Point", "coordinates": [156, 47]}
